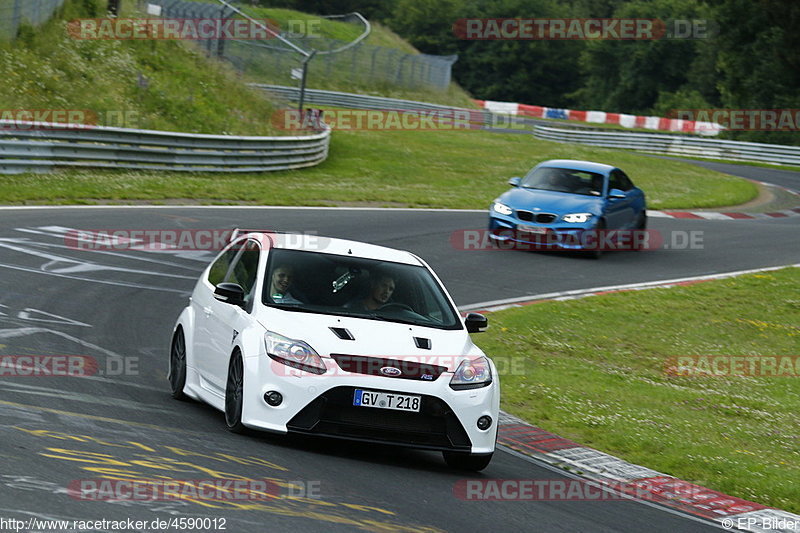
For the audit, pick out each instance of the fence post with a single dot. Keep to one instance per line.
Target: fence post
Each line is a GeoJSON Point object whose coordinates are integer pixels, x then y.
{"type": "Point", "coordinates": [372, 63]}
{"type": "Point", "coordinates": [15, 18]}
{"type": "Point", "coordinates": [353, 67]}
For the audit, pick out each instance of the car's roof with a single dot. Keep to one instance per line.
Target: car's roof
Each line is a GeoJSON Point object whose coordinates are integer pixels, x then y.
{"type": "Point", "coordinates": [329, 245]}
{"type": "Point", "coordinates": [574, 164]}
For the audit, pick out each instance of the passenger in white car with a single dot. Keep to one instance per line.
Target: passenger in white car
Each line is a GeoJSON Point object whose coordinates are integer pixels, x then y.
{"type": "Point", "coordinates": [280, 285]}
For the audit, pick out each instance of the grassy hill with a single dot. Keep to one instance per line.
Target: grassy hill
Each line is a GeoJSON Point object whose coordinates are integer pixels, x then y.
{"type": "Point", "coordinates": [164, 85]}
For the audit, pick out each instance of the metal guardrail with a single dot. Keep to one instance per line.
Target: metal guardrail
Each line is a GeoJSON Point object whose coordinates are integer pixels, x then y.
{"type": "Point", "coordinates": [361, 101]}
{"type": "Point", "coordinates": [39, 147]}
{"type": "Point", "coordinates": [491, 121]}
{"type": "Point", "coordinates": [677, 145]}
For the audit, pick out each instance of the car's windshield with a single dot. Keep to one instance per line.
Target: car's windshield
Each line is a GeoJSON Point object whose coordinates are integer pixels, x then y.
{"type": "Point", "coordinates": [351, 286]}
{"type": "Point", "coordinates": [564, 180]}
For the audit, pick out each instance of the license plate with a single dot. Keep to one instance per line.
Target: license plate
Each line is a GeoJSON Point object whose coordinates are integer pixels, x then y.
{"type": "Point", "coordinates": [536, 230]}
{"type": "Point", "coordinates": [387, 400]}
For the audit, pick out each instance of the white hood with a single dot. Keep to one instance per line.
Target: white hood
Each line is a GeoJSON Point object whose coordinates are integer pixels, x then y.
{"type": "Point", "coordinates": [373, 338]}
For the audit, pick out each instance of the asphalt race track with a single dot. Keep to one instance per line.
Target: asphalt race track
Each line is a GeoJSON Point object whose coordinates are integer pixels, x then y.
{"type": "Point", "coordinates": [118, 307]}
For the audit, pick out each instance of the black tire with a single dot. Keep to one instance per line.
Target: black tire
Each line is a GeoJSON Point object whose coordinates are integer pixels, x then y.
{"type": "Point", "coordinates": [177, 365]}
{"type": "Point", "coordinates": [467, 461]}
{"type": "Point", "coordinates": [234, 389]}
{"type": "Point", "coordinates": [641, 225]}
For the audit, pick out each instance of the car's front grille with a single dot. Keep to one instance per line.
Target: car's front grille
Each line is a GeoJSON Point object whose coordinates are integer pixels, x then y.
{"type": "Point", "coordinates": [404, 369]}
{"type": "Point", "coordinates": [527, 216]}
{"type": "Point", "coordinates": [333, 414]}
{"type": "Point", "coordinates": [541, 218]}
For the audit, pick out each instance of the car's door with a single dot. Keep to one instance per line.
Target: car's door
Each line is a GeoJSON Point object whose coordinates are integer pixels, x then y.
{"type": "Point", "coordinates": [202, 300]}
{"type": "Point", "coordinates": [620, 212]}
{"type": "Point", "coordinates": [224, 321]}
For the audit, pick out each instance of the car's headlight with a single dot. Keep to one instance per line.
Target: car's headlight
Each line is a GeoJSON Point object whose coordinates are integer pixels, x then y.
{"type": "Point", "coordinates": [503, 209]}
{"type": "Point", "coordinates": [472, 374]}
{"type": "Point", "coordinates": [576, 217]}
{"type": "Point", "coordinates": [293, 353]}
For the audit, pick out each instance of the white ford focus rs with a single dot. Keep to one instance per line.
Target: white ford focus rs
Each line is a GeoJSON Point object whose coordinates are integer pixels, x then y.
{"type": "Point", "coordinates": [304, 334]}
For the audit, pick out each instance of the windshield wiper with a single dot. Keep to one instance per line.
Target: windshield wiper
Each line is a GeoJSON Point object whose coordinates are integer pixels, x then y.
{"type": "Point", "coordinates": [388, 319]}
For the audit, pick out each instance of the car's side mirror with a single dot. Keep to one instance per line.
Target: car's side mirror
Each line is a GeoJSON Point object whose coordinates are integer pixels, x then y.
{"type": "Point", "coordinates": [514, 182]}
{"type": "Point", "coordinates": [476, 323]}
{"type": "Point", "coordinates": [230, 293]}
{"type": "Point", "coordinates": [616, 194]}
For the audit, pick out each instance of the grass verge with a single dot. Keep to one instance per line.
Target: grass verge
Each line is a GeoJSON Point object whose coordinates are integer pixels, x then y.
{"type": "Point", "coordinates": [599, 380]}
{"type": "Point", "coordinates": [440, 169]}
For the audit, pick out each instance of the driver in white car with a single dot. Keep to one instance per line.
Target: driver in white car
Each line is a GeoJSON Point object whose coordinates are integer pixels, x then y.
{"type": "Point", "coordinates": [381, 289]}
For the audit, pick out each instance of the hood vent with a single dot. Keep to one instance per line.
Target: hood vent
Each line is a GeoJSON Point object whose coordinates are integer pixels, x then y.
{"type": "Point", "coordinates": [422, 343]}
{"type": "Point", "coordinates": [343, 334]}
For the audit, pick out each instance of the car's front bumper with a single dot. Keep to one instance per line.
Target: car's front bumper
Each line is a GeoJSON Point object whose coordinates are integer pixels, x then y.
{"type": "Point", "coordinates": [323, 405]}
{"type": "Point", "coordinates": [506, 229]}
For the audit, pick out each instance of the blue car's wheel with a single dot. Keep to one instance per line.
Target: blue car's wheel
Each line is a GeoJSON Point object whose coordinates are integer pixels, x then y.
{"type": "Point", "coordinates": [597, 253]}
{"type": "Point", "coordinates": [641, 225]}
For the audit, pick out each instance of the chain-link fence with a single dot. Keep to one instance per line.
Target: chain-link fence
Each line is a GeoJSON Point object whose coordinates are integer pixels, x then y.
{"type": "Point", "coordinates": [362, 63]}
{"type": "Point", "coordinates": [180, 9]}
{"type": "Point", "coordinates": [14, 13]}
{"type": "Point", "coordinates": [338, 62]}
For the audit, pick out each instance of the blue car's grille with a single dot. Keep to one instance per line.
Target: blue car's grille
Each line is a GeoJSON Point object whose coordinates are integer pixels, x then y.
{"type": "Point", "coordinates": [541, 218]}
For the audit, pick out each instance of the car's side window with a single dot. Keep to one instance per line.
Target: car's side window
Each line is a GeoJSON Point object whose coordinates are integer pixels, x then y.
{"type": "Point", "coordinates": [219, 269]}
{"type": "Point", "coordinates": [620, 181]}
{"type": "Point", "coordinates": [628, 183]}
{"type": "Point", "coordinates": [245, 268]}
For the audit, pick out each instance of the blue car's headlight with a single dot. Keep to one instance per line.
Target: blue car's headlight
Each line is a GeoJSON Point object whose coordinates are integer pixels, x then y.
{"type": "Point", "coordinates": [576, 218]}
{"type": "Point", "coordinates": [503, 209]}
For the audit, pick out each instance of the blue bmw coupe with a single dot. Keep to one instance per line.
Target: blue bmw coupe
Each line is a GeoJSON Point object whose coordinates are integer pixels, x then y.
{"type": "Point", "coordinates": [565, 204]}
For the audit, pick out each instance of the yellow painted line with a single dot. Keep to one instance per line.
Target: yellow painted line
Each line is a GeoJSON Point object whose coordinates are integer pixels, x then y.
{"type": "Point", "coordinates": [93, 417]}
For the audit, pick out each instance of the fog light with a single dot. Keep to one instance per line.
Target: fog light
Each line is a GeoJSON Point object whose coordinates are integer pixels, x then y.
{"type": "Point", "coordinates": [275, 398]}
{"type": "Point", "coordinates": [484, 422]}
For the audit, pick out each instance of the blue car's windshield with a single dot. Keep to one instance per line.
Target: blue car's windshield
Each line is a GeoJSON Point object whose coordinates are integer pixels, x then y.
{"type": "Point", "coordinates": [564, 180]}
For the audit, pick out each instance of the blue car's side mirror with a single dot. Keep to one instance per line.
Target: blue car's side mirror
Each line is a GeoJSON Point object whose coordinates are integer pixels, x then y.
{"type": "Point", "coordinates": [616, 194]}
{"type": "Point", "coordinates": [514, 182]}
